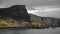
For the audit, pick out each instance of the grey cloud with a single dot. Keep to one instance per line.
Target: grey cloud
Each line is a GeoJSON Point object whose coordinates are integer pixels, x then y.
{"type": "Point", "coordinates": [53, 13]}
{"type": "Point", "coordinates": [32, 3]}
{"type": "Point", "coordinates": [1, 1]}
{"type": "Point", "coordinates": [48, 11]}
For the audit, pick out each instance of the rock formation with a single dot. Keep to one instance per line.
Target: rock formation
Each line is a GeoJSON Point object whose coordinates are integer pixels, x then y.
{"type": "Point", "coordinates": [16, 12]}
{"type": "Point", "coordinates": [48, 21]}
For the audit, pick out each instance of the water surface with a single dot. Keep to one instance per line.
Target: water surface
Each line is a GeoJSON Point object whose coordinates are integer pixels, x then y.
{"type": "Point", "coordinates": [30, 31]}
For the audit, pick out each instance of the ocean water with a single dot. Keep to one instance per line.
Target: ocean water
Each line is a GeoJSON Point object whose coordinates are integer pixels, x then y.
{"type": "Point", "coordinates": [30, 31]}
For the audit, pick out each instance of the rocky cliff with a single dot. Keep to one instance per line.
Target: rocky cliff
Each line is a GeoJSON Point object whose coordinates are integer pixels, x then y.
{"type": "Point", "coordinates": [16, 12]}
{"type": "Point", "coordinates": [17, 16]}
{"type": "Point", "coordinates": [51, 21]}
{"type": "Point", "coordinates": [48, 21]}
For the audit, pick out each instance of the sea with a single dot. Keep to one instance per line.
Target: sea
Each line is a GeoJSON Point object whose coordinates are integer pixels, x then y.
{"type": "Point", "coordinates": [30, 31]}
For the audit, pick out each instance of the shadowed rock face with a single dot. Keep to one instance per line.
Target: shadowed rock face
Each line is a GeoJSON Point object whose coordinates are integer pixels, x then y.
{"type": "Point", "coordinates": [16, 12]}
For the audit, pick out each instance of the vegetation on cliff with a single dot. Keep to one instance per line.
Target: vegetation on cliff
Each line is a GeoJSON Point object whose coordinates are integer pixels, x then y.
{"type": "Point", "coordinates": [8, 22]}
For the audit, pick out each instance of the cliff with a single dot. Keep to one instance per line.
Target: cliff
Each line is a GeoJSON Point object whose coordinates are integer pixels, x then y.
{"type": "Point", "coordinates": [16, 12]}
{"type": "Point", "coordinates": [48, 21]}
{"type": "Point", "coordinates": [17, 16]}
{"type": "Point", "coordinates": [35, 18]}
{"type": "Point", "coordinates": [51, 21]}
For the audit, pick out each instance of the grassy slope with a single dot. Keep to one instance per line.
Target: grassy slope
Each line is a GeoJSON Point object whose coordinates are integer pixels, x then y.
{"type": "Point", "coordinates": [13, 23]}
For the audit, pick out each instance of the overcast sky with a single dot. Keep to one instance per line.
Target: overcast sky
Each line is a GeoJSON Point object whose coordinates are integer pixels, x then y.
{"type": "Point", "coordinates": [50, 8]}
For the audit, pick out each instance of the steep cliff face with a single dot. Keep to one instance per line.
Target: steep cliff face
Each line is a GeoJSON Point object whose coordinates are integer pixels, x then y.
{"type": "Point", "coordinates": [48, 21]}
{"type": "Point", "coordinates": [51, 21]}
{"type": "Point", "coordinates": [35, 18]}
{"type": "Point", "coordinates": [16, 12]}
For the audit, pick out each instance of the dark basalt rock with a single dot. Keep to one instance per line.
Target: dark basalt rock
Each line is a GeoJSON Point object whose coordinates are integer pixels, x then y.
{"type": "Point", "coordinates": [16, 12]}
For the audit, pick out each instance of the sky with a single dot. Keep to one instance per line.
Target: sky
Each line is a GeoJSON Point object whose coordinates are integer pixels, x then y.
{"type": "Point", "coordinates": [45, 8]}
